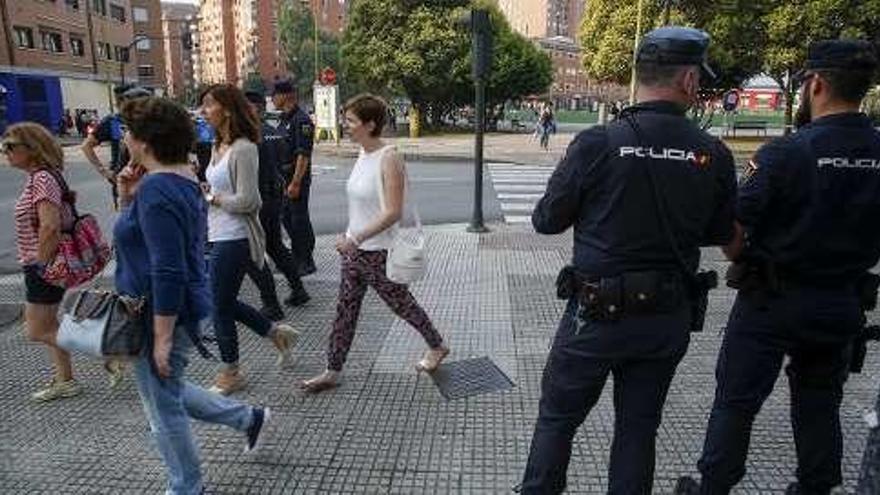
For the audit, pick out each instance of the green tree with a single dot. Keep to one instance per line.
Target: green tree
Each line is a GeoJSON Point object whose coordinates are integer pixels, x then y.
{"type": "Point", "coordinates": [421, 49]}
{"type": "Point", "coordinates": [296, 27]}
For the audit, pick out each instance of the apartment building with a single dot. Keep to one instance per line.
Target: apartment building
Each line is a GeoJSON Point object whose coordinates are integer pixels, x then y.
{"type": "Point", "coordinates": [149, 49]}
{"type": "Point", "coordinates": [62, 54]}
{"type": "Point", "coordinates": [179, 37]}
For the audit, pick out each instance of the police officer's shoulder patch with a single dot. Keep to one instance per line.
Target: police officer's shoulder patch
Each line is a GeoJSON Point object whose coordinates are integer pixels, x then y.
{"type": "Point", "coordinates": [306, 129]}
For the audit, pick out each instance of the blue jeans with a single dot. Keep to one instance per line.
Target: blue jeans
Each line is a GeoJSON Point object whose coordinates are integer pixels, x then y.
{"type": "Point", "coordinates": [229, 262]}
{"type": "Point", "coordinates": [169, 403]}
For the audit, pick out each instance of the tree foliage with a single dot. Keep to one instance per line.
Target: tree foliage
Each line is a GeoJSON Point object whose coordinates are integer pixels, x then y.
{"type": "Point", "coordinates": [422, 49]}
{"type": "Point", "coordinates": [296, 29]}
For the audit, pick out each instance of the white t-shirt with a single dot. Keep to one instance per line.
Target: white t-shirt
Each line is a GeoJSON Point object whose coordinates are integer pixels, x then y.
{"type": "Point", "coordinates": [365, 201]}
{"type": "Point", "coordinates": [222, 225]}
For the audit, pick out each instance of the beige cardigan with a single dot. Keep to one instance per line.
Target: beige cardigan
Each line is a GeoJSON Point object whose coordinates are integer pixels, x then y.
{"type": "Point", "coordinates": [244, 172]}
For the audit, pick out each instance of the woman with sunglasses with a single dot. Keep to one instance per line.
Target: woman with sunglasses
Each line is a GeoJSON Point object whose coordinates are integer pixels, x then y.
{"type": "Point", "coordinates": [42, 210]}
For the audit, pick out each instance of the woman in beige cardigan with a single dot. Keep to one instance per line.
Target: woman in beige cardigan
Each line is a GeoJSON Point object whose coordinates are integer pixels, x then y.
{"type": "Point", "coordinates": [235, 236]}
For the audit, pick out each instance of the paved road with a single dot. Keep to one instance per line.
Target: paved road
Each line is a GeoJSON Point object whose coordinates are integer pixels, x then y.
{"type": "Point", "coordinates": [444, 192]}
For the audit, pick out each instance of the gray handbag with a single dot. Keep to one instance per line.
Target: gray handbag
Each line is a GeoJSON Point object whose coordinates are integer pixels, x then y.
{"type": "Point", "coordinates": [102, 324]}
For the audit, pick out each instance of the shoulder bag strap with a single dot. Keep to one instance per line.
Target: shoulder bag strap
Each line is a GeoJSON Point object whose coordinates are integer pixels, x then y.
{"type": "Point", "coordinates": [690, 276]}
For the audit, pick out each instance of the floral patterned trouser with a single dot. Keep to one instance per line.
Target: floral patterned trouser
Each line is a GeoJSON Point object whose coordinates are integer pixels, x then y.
{"type": "Point", "coordinates": [360, 270]}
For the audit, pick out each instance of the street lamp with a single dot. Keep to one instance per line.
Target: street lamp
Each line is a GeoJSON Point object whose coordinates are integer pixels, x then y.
{"type": "Point", "coordinates": [637, 38]}
{"type": "Point", "coordinates": [122, 61]}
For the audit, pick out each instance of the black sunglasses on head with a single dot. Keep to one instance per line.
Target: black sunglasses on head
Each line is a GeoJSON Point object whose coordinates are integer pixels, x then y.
{"type": "Point", "coordinates": [8, 146]}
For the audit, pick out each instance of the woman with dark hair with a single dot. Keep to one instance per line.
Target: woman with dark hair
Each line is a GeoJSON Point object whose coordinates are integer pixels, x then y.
{"type": "Point", "coordinates": [160, 239]}
{"type": "Point", "coordinates": [235, 236]}
{"type": "Point", "coordinates": [373, 217]}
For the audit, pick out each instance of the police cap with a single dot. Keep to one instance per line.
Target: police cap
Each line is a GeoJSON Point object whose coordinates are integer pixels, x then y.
{"type": "Point", "coordinates": [255, 97]}
{"type": "Point", "coordinates": [841, 54]}
{"type": "Point", "coordinates": [136, 92]}
{"type": "Point", "coordinates": [283, 87]}
{"type": "Point", "coordinates": [676, 45]}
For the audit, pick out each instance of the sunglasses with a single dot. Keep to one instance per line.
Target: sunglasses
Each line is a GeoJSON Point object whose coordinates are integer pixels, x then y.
{"type": "Point", "coordinates": [9, 146]}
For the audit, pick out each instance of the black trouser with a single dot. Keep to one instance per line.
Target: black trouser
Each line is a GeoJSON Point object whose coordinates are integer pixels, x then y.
{"type": "Point", "coordinates": [815, 327]}
{"type": "Point", "coordinates": [298, 224]}
{"type": "Point", "coordinates": [642, 353]}
{"type": "Point", "coordinates": [270, 218]}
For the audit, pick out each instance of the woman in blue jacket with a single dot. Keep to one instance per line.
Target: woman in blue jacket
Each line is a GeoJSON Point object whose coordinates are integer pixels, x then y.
{"type": "Point", "coordinates": [160, 239]}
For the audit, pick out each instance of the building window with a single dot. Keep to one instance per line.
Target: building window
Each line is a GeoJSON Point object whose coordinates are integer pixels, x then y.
{"type": "Point", "coordinates": [51, 41]}
{"type": "Point", "coordinates": [140, 14]}
{"type": "Point", "coordinates": [117, 12]}
{"type": "Point", "coordinates": [24, 37]}
{"type": "Point", "coordinates": [145, 71]}
{"type": "Point", "coordinates": [73, 4]}
{"type": "Point", "coordinates": [77, 47]}
{"type": "Point", "coordinates": [99, 6]}
{"type": "Point", "coordinates": [104, 51]}
{"type": "Point", "coordinates": [121, 53]}
{"type": "Point", "coordinates": [143, 45]}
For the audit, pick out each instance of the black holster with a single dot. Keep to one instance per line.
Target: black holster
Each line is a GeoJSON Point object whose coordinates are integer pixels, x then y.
{"type": "Point", "coordinates": [750, 276]}
{"type": "Point", "coordinates": [699, 289]}
{"type": "Point", "coordinates": [628, 294]}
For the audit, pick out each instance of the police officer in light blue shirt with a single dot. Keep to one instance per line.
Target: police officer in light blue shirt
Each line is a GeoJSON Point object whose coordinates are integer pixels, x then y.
{"type": "Point", "coordinates": [807, 234]}
{"type": "Point", "coordinates": [642, 194]}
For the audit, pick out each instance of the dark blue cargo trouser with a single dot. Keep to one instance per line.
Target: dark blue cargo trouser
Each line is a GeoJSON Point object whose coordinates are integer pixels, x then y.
{"type": "Point", "coordinates": [815, 327]}
{"type": "Point", "coordinates": [642, 354]}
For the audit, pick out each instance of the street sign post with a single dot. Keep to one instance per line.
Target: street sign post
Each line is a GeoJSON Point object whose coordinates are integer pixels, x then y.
{"type": "Point", "coordinates": [327, 105]}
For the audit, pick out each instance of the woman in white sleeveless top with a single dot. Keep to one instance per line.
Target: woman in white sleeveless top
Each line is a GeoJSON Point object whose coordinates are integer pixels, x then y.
{"type": "Point", "coordinates": [364, 246]}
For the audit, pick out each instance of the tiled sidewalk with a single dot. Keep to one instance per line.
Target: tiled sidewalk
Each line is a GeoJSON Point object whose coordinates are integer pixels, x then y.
{"type": "Point", "coordinates": [387, 429]}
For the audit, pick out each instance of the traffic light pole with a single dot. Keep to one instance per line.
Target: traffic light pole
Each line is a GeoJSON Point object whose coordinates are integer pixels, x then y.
{"type": "Point", "coordinates": [481, 29]}
{"type": "Point", "coordinates": [477, 225]}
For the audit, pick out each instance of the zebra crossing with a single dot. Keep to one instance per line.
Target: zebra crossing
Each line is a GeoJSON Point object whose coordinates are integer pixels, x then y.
{"type": "Point", "coordinates": [519, 187]}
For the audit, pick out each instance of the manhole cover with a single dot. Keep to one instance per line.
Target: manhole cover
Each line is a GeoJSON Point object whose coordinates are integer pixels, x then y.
{"type": "Point", "coordinates": [460, 379]}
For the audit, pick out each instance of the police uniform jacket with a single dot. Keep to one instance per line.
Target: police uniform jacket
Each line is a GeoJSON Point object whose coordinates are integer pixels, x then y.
{"type": "Point", "coordinates": [602, 188]}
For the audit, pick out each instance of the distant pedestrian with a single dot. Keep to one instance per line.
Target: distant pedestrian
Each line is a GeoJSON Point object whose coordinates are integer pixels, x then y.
{"type": "Point", "coordinates": [236, 238]}
{"type": "Point", "coordinates": [205, 136]}
{"type": "Point", "coordinates": [160, 239]}
{"type": "Point", "coordinates": [547, 125]}
{"type": "Point", "coordinates": [271, 150]}
{"type": "Point", "coordinates": [41, 213]}
{"type": "Point", "coordinates": [110, 130]}
{"type": "Point", "coordinates": [299, 131]}
{"type": "Point", "coordinates": [372, 227]}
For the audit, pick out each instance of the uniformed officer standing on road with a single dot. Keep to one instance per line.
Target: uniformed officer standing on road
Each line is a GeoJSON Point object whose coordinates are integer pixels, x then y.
{"type": "Point", "coordinates": [807, 234]}
{"type": "Point", "coordinates": [643, 194]}
{"type": "Point", "coordinates": [300, 132]}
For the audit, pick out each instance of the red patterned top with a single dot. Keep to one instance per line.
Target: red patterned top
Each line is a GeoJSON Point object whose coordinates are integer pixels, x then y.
{"type": "Point", "coordinates": [40, 186]}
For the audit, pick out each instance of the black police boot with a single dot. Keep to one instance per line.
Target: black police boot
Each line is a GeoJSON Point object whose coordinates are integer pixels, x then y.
{"type": "Point", "coordinates": [686, 486]}
{"type": "Point", "coordinates": [297, 298]}
{"type": "Point", "coordinates": [272, 312]}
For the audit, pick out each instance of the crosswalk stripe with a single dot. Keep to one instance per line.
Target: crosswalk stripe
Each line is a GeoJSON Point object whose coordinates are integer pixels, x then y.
{"type": "Point", "coordinates": [534, 188]}
{"type": "Point", "coordinates": [523, 196]}
{"type": "Point", "coordinates": [519, 187]}
{"type": "Point", "coordinates": [526, 207]}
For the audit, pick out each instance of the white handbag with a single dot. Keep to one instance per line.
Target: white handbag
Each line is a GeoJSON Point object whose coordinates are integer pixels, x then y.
{"type": "Point", "coordinates": [406, 262]}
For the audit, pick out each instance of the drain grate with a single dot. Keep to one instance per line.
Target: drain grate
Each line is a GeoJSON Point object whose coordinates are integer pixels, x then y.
{"type": "Point", "coordinates": [460, 379]}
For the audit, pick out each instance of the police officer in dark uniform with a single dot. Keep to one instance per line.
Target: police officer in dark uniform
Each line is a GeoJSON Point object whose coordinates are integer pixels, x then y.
{"type": "Point", "coordinates": [643, 194]}
{"type": "Point", "coordinates": [271, 150]}
{"type": "Point", "coordinates": [110, 129]}
{"type": "Point", "coordinates": [807, 234]}
{"type": "Point", "coordinates": [297, 171]}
